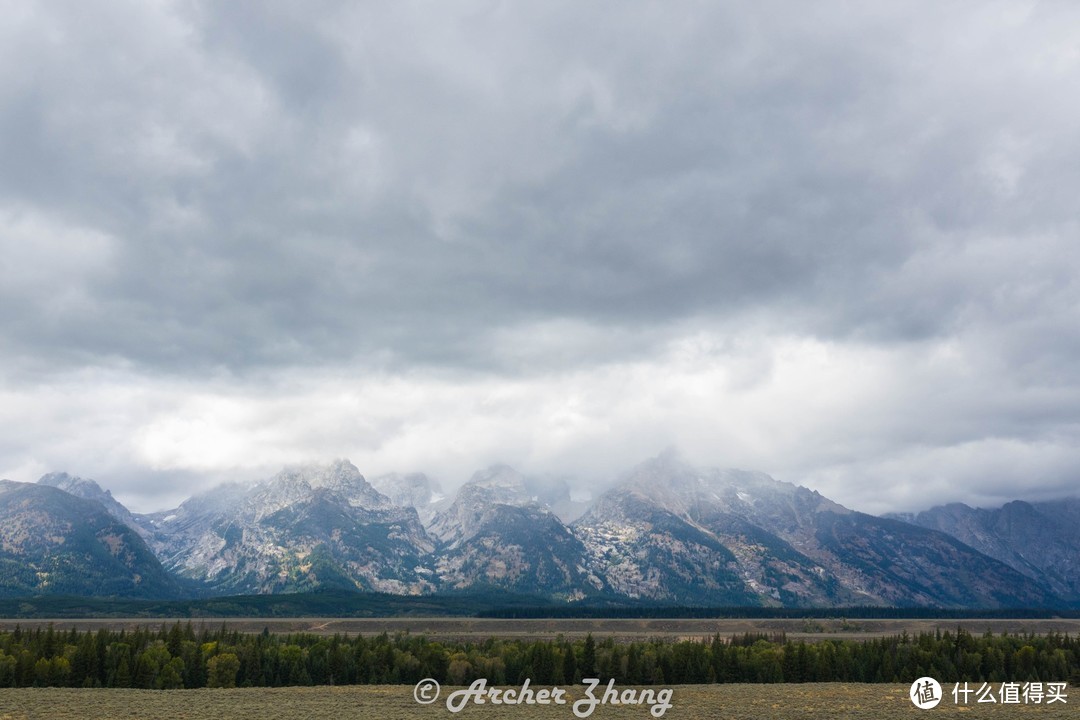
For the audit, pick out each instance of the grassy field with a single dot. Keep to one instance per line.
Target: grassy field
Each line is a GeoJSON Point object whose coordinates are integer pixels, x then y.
{"type": "Point", "coordinates": [545, 629]}
{"type": "Point", "coordinates": [393, 702]}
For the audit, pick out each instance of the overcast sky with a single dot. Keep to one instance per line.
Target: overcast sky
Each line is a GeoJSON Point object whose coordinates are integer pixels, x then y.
{"type": "Point", "coordinates": [837, 242]}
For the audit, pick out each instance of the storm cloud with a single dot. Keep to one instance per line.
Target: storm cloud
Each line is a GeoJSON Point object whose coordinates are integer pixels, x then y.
{"type": "Point", "coordinates": [834, 243]}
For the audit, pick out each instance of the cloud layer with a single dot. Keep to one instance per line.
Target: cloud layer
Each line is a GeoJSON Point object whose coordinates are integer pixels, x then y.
{"type": "Point", "coordinates": [839, 246]}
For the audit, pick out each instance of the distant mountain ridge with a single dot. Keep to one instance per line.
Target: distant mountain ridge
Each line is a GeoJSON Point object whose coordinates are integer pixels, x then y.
{"type": "Point", "coordinates": [665, 532]}
{"type": "Point", "coordinates": [306, 527]}
{"type": "Point", "coordinates": [1040, 540]}
{"type": "Point", "coordinates": [671, 531]}
{"type": "Point", "coordinates": [497, 533]}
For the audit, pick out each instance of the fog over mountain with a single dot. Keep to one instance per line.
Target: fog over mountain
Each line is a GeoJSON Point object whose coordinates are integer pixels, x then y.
{"type": "Point", "coordinates": [666, 532]}
{"type": "Point", "coordinates": [835, 245]}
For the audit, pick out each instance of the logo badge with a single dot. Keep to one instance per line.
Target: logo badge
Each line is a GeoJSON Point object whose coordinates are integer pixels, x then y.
{"type": "Point", "coordinates": [925, 693]}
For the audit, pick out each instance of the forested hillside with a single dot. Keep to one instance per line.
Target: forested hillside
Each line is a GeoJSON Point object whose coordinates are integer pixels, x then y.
{"type": "Point", "coordinates": [180, 657]}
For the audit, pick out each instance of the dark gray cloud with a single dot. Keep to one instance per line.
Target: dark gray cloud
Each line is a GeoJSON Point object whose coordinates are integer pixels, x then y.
{"type": "Point", "coordinates": [480, 194]}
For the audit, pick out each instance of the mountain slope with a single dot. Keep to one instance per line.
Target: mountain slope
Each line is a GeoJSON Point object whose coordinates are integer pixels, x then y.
{"type": "Point", "coordinates": [666, 532]}
{"type": "Point", "coordinates": [53, 543]}
{"type": "Point", "coordinates": [1040, 540]}
{"type": "Point", "coordinates": [790, 545]}
{"type": "Point", "coordinates": [307, 527]}
{"type": "Point", "coordinates": [495, 534]}
{"type": "Point", "coordinates": [90, 490]}
{"type": "Point", "coordinates": [646, 551]}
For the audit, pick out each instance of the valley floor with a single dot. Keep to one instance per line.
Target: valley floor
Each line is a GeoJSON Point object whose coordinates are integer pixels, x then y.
{"type": "Point", "coordinates": [394, 702]}
{"type": "Point", "coordinates": [621, 629]}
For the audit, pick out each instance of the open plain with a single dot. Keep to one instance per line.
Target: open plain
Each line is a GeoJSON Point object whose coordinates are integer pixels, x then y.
{"type": "Point", "coordinates": [621, 629]}
{"type": "Point", "coordinates": [396, 702]}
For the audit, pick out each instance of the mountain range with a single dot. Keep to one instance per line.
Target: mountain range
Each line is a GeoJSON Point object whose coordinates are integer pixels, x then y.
{"type": "Point", "coordinates": [666, 532]}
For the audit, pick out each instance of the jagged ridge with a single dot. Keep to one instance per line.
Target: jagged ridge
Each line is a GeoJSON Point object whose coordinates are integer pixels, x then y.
{"type": "Point", "coordinates": [665, 532]}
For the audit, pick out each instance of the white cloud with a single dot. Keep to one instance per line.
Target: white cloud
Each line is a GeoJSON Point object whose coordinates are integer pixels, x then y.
{"type": "Point", "coordinates": [44, 256]}
{"type": "Point", "coordinates": [874, 428]}
{"type": "Point", "coordinates": [835, 246]}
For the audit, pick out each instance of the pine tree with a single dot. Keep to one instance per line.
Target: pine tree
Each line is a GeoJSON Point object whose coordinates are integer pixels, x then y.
{"type": "Point", "coordinates": [570, 667]}
{"type": "Point", "coordinates": [588, 657]}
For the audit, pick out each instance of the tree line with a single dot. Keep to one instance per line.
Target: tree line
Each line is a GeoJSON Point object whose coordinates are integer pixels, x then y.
{"type": "Point", "coordinates": [617, 610]}
{"type": "Point", "coordinates": [182, 657]}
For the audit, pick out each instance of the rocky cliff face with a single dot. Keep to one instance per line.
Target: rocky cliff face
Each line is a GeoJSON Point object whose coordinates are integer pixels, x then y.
{"type": "Point", "coordinates": [462, 518]}
{"type": "Point", "coordinates": [1039, 540]}
{"type": "Point", "coordinates": [646, 551]}
{"type": "Point", "coordinates": [671, 529]}
{"type": "Point", "coordinates": [305, 527]}
{"type": "Point", "coordinates": [497, 534]}
{"type": "Point", "coordinates": [666, 531]}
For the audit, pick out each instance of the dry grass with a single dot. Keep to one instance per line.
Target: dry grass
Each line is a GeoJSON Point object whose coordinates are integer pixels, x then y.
{"type": "Point", "coordinates": [621, 629]}
{"type": "Point", "coordinates": [391, 702]}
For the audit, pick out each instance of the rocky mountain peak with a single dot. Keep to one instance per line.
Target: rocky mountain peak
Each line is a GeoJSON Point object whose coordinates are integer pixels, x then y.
{"type": "Point", "coordinates": [499, 477]}
{"type": "Point", "coordinates": [666, 531]}
{"type": "Point", "coordinates": [499, 484]}
{"type": "Point", "coordinates": [670, 483]}
{"type": "Point", "coordinates": [307, 526]}
{"type": "Point", "coordinates": [496, 485]}
{"type": "Point", "coordinates": [69, 483]}
{"type": "Point", "coordinates": [298, 482]}
{"type": "Point", "coordinates": [334, 475]}
{"type": "Point", "coordinates": [90, 490]}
